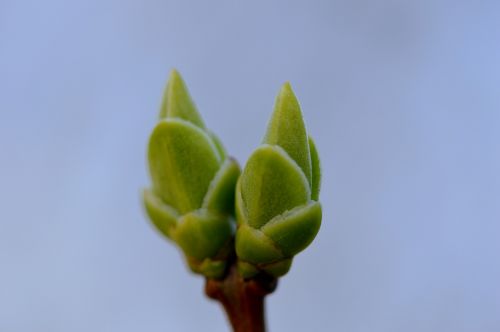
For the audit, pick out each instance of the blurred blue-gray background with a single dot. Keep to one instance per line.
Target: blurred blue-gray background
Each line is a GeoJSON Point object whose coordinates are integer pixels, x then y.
{"type": "Point", "coordinates": [403, 98]}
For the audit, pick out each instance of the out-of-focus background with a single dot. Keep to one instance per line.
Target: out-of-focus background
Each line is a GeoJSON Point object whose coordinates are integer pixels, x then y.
{"type": "Point", "coordinates": [402, 98]}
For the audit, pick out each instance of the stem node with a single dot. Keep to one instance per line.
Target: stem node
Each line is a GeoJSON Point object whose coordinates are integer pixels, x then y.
{"type": "Point", "coordinates": [243, 300]}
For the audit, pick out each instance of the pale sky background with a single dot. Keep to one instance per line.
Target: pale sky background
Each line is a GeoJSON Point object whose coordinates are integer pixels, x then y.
{"type": "Point", "coordinates": [402, 98]}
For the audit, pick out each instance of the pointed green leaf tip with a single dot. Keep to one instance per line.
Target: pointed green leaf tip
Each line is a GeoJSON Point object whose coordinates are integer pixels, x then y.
{"type": "Point", "coordinates": [286, 128]}
{"type": "Point", "coordinates": [177, 102]}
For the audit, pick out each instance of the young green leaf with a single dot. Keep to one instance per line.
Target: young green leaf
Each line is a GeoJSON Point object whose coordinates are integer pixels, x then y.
{"type": "Point", "coordinates": [316, 170]}
{"type": "Point", "coordinates": [294, 230]}
{"type": "Point", "coordinates": [255, 247]}
{"type": "Point", "coordinates": [183, 161]}
{"type": "Point", "coordinates": [202, 234]}
{"type": "Point", "coordinates": [163, 216]}
{"type": "Point", "coordinates": [220, 195]}
{"type": "Point", "coordinates": [271, 184]}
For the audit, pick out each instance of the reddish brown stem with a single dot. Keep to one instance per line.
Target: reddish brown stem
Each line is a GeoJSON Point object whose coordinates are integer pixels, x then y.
{"type": "Point", "coordinates": [243, 300]}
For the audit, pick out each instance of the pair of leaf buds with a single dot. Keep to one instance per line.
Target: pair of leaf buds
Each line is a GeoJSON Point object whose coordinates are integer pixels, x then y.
{"type": "Point", "coordinates": [198, 191]}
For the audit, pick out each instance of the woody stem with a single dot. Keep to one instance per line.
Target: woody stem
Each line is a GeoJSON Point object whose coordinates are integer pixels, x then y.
{"type": "Point", "coordinates": [243, 300]}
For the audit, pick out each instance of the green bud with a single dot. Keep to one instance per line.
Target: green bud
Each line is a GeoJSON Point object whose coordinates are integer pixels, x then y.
{"type": "Point", "coordinates": [192, 197]}
{"type": "Point", "coordinates": [277, 194]}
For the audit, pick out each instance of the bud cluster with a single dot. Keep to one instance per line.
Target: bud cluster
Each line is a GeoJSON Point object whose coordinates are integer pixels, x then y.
{"type": "Point", "coordinates": [260, 217]}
